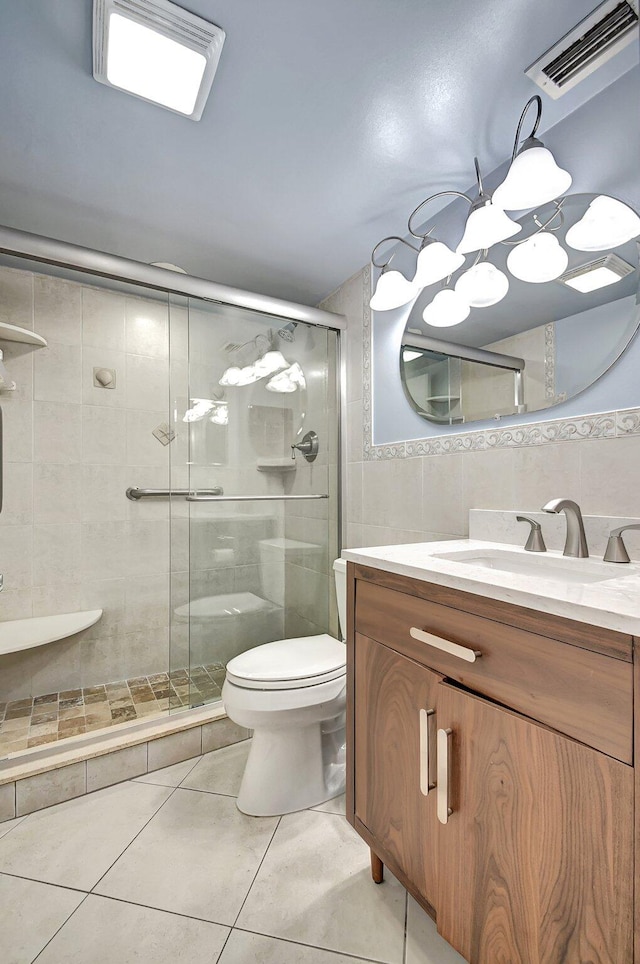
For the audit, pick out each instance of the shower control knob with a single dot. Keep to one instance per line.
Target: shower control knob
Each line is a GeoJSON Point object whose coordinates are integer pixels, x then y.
{"type": "Point", "coordinates": [307, 447]}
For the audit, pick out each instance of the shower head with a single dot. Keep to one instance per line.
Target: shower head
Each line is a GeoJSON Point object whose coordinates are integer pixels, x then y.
{"type": "Point", "coordinates": [287, 331]}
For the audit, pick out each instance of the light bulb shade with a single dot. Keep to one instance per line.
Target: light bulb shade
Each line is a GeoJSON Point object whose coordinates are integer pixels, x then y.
{"type": "Point", "coordinates": [605, 224]}
{"type": "Point", "coordinates": [482, 285]}
{"type": "Point", "coordinates": [435, 262]}
{"type": "Point", "coordinates": [392, 291]}
{"type": "Point", "coordinates": [486, 225]}
{"type": "Point", "coordinates": [538, 259]}
{"type": "Point", "coordinates": [534, 178]}
{"type": "Point", "coordinates": [287, 381]}
{"type": "Point", "coordinates": [447, 309]}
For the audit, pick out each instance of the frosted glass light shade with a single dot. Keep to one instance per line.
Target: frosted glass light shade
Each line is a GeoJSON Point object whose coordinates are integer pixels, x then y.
{"type": "Point", "coordinates": [605, 224]}
{"type": "Point", "coordinates": [435, 262]}
{"type": "Point", "coordinates": [287, 381]}
{"type": "Point", "coordinates": [447, 309]}
{"type": "Point", "coordinates": [392, 291]}
{"type": "Point", "coordinates": [538, 259]}
{"type": "Point", "coordinates": [534, 178]}
{"type": "Point", "coordinates": [486, 225]}
{"type": "Point", "coordinates": [482, 285]}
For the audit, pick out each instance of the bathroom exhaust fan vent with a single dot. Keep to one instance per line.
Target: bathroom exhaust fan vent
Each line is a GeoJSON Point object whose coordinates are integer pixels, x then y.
{"type": "Point", "coordinates": [597, 38]}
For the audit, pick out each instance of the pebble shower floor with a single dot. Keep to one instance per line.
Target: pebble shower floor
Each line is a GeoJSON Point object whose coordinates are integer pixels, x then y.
{"type": "Point", "coordinates": [46, 719]}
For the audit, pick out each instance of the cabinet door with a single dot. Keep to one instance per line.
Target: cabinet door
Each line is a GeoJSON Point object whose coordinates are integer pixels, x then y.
{"type": "Point", "coordinates": [392, 737]}
{"type": "Point", "coordinates": [535, 861]}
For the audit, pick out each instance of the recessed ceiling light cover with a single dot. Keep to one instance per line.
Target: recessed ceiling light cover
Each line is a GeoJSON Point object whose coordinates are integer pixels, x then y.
{"type": "Point", "coordinates": [156, 51]}
{"type": "Point", "coordinates": [597, 274]}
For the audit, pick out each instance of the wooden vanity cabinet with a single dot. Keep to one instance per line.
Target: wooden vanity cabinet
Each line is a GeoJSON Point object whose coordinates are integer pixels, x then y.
{"type": "Point", "coordinates": [534, 861]}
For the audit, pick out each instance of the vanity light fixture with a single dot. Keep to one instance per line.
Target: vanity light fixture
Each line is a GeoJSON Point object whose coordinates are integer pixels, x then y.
{"type": "Point", "coordinates": [447, 309]}
{"type": "Point", "coordinates": [487, 224]}
{"type": "Point", "coordinates": [482, 285]}
{"type": "Point", "coordinates": [533, 178]}
{"type": "Point", "coordinates": [392, 290]}
{"type": "Point", "coordinates": [156, 51]}
{"type": "Point", "coordinates": [606, 223]}
{"type": "Point", "coordinates": [597, 274]}
{"type": "Point", "coordinates": [538, 259]}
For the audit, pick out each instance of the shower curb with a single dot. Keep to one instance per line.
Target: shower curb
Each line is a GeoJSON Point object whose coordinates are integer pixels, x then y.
{"type": "Point", "coordinates": [40, 778]}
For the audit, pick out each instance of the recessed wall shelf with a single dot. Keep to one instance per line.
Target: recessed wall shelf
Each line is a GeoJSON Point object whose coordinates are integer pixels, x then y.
{"type": "Point", "coordinates": [21, 335]}
{"type": "Point", "coordinates": [19, 634]}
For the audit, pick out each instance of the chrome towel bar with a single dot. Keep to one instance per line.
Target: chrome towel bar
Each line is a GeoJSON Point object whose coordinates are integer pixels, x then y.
{"type": "Point", "coordinates": [136, 494]}
{"type": "Point", "coordinates": [201, 497]}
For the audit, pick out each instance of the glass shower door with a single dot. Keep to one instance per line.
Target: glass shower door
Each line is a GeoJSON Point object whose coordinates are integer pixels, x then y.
{"type": "Point", "coordinates": [252, 545]}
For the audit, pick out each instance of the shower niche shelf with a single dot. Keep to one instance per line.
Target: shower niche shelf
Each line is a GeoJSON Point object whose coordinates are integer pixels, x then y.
{"type": "Point", "coordinates": [19, 634]}
{"type": "Point", "coordinates": [22, 335]}
{"type": "Point", "coordinates": [286, 464]}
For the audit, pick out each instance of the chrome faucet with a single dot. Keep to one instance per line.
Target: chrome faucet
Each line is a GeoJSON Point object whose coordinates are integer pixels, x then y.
{"type": "Point", "coordinates": [576, 541]}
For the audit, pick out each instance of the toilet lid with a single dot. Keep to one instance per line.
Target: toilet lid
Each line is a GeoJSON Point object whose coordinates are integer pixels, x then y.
{"type": "Point", "coordinates": [288, 663]}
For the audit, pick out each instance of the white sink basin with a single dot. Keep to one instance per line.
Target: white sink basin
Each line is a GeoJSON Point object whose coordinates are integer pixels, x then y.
{"type": "Point", "coordinates": [541, 565]}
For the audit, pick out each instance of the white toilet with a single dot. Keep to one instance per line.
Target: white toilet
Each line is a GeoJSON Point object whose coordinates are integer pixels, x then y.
{"type": "Point", "coordinates": [292, 694]}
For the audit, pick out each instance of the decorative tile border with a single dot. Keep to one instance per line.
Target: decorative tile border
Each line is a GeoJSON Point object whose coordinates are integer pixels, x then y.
{"type": "Point", "coordinates": [603, 425]}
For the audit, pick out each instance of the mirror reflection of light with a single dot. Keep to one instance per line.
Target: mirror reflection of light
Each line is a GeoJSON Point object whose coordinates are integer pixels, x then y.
{"type": "Point", "coordinates": [606, 223]}
{"type": "Point", "coordinates": [201, 408]}
{"type": "Point", "coordinates": [287, 381]}
{"type": "Point", "coordinates": [482, 285]}
{"type": "Point", "coordinates": [538, 259]}
{"type": "Point", "coordinates": [447, 309]}
{"type": "Point", "coordinates": [270, 362]}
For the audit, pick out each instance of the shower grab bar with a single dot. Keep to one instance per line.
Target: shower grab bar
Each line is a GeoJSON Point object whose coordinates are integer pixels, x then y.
{"type": "Point", "coordinates": [251, 498]}
{"type": "Point", "coordinates": [136, 494]}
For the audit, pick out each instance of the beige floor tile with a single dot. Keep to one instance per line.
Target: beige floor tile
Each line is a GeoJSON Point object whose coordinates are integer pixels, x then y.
{"type": "Point", "coordinates": [198, 856]}
{"type": "Point", "coordinates": [220, 771]}
{"type": "Point", "coordinates": [75, 842]}
{"type": "Point", "coordinates": [314, 886]}
{"type": "Point", "coordinates": [109, 930]}
{"type": "Point", "coordinates": [424, 944]}
{"type": "Point", "coordinates": [337, 805]}
{"type": "Point", "coordinates": [169, 776]}
{"type": "Point", "coordinates": [245, 948]}
{"type": "Point", "coordinates": [31, 914]}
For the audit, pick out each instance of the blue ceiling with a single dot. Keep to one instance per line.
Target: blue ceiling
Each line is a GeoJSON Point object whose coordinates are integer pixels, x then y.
{"type": "Point", "coordinates": [327, 122]}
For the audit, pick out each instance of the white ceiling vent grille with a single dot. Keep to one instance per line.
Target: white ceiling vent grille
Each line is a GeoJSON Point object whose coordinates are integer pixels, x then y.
{"type": "Point", "coordinates": [596, 39]}
{"type": "Point", "coordinates": [156, 51]}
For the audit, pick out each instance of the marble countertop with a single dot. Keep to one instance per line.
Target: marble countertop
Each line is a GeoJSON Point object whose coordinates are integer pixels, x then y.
{"type": "Point", "coordinates": [613, 603]}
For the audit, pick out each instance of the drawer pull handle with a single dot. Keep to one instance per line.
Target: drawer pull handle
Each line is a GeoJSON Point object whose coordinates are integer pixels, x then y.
{"type": "Point", "coordinates": [427, 718]}
{"type": "Point", "coordinates": [454, 649]}
{"type": "Point", "coordinates": [444, 748]}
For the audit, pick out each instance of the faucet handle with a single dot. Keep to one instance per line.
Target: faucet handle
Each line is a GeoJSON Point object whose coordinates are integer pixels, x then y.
{"type": "Point", "coordinates": [535, 541]}
{"type": "Point", "coordinates": [616, 550]}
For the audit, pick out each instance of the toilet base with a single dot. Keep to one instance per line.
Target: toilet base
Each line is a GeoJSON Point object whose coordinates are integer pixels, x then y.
{"type": "Point", "coordinates": [291, 769]}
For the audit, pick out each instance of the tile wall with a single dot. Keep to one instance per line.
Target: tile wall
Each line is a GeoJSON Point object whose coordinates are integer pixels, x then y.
{"type": "Point", "coordinates": [427, 498]}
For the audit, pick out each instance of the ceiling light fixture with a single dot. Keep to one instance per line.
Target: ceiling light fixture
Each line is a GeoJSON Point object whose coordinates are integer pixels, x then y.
{"type": "Point", "coordinates": [487, 224]}
{"type": "Point", "coordinates": [392, 290]}
{"type": "Point", "coordinates": [538, 259]}
{"type": "Point", "coordinates": [447, 309]}
{"type": "Point", "coordinates": [597, 274]}
{"type": "Point", "coordinates": [606, 223]}
{"type": "Point", "coordinates": [482, 285]}
{"type": "Point", "coordinates": [533, 177]}
{"type": "Point", "coordinates": [156, 51]}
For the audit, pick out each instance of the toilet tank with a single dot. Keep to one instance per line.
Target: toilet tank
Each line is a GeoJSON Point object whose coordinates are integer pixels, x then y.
{"type": "Point", "coordinates": [340, 573]}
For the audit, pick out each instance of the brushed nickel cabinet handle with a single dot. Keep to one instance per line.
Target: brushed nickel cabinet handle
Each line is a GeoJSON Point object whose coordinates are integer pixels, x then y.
{"type": "Point", "coordinates": [445, 645]}
{"type": "Point", "coordinates": [444, 749]}
{"type": "Point", "coordinates": [427, 718]}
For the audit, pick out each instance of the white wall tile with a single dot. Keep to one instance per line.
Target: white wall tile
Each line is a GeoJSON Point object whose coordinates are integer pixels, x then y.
{"type": "Point", "coordinates": [56, 493]}
{"type": "Point", "coordinates": [104, 358]}
{"type": "Point", "coordinates": [174, 748]}
{"type": "Point", "coordinates": [16, 557]}
{"type": "Point", "coordinates": [58, 597]}
{"type": "Point", "coordinates": [102, 493]}
{"type": "Point", "coordinates": [146, 602]}
{"type": "Point", "coordinates": [16, 297]}
{"type": "Point", "coordinates": [108, 595]}
{"type": "Point", "coordinates": [103, 435]}
{"type": "Point", "coordinates": [104, 548]}
{"type": "Point", "coordinates": [103, 319]}
{"type": "Point", "coordinates": [147, 548]}
{"type": "Point", "coordinates": [147, 328]}
{"type": "Point", "coordinates": [221, 733]}
{"type": "Point", "coordinates": [147, 383]}
{"type": "Point", "coordinates": [58, 374]}
{"type": "Point", "coordinates": [57, 432]}
{"type": "Point", "coordinates": [58, 310]}
{"type": "Point", "coordinates": [7, 801]}
{"type": "Point", "coordinates": [142, 446]}
{"type": "Point", "coordinates": [56, 553]}
{"type": "Point", "coordinates": [46, 789]}
{"type": "Point", "coordinates": [17, 495]}
{"type": "Point", "coordinates": [17, 428]}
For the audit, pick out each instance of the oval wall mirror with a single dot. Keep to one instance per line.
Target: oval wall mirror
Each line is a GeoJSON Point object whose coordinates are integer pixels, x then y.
{"type": "Point", "coordinates": [544, 341]}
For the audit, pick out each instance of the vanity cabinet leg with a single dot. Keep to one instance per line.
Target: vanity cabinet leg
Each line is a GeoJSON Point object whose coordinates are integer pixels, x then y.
{"type": "Point", "coordinates": [377, 869]}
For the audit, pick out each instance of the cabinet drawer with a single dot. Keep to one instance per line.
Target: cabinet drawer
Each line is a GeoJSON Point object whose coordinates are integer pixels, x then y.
{"type": "Point", "coordinates": [584, 694]}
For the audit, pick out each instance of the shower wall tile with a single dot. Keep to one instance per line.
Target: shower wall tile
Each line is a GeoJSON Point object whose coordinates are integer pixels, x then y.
{"type": "Point", "coordinates": [103, 435]}
{"type": "Point", "coordinates": [146, 603]}
{"type": "Point", "coordinates": [143, 448]}
{"type": "Point", "coordinates": [104, 358]}
{"type": "Point", "coordinates": [56, 493]}
{"type": "Point", "coordinates": [18, 430]}
{"type": "Point", "coordinates": [147, 327]}
{"type": "Point", "coordinates": [102, 493]}
{"type": "Point", "coordinates": [104, 548]}
{"type": "Point", "coordinates": [56, 554]}
{"type": "Point", "coordinates": [16, 557]}
{"type": "Point", "coordinates": [103, 319]}
{"type": "Point", "coordinates": [147, 387]}
{"type": "Point", "coordinates": [58, 374]}
{"type": "Point", "coordinates": [16, 297]}
{"type": "Point", "coordinates": [17, 496]}
{"type": "Point", "coordinates": [57, 310]}
{"type": "Point", "coordinates": [15, 604]}
{"type": "Point", "coordinates": [60, 597]}
{"type": "Point", "coordinates": [109, 596]}
{"type": "Point", "coordinates": [147, 548]}
{"type": "Point", "coordinates": [57, 432]}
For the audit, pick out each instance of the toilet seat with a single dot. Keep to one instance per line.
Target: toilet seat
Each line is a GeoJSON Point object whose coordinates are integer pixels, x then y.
{"type": "Point", "coordinates": [289, 663]}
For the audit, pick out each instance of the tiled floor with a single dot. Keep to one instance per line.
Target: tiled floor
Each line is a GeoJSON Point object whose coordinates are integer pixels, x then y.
{"type": "Point", "coordinates": [165, 868]}
{"type": "Point", "coordinates": [54, 716]}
